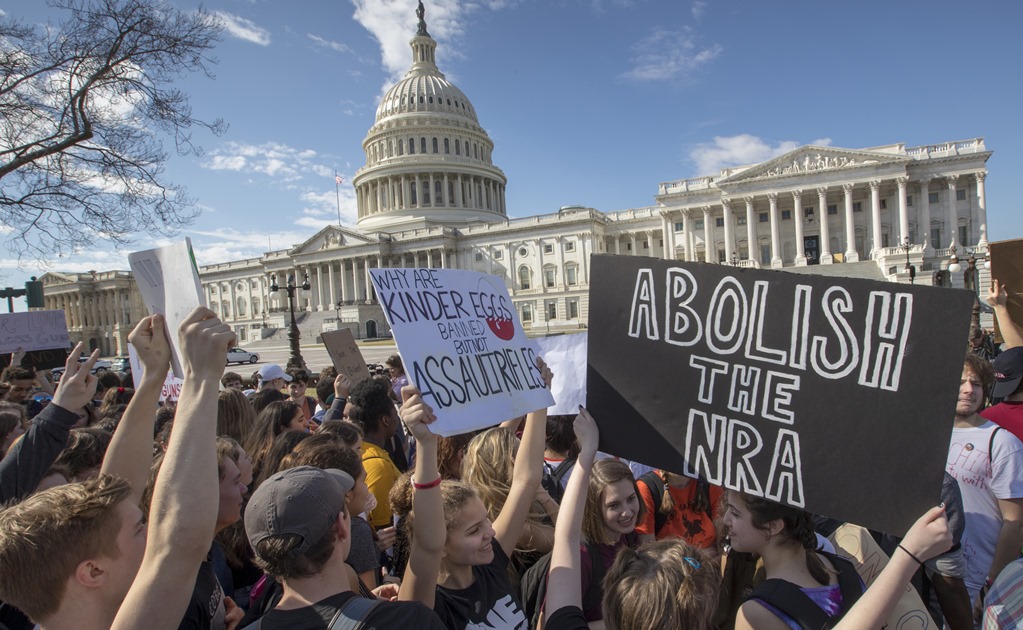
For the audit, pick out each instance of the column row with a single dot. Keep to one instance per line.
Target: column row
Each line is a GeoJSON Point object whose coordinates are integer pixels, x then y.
{"type": "Point", "coordinates": [431, 191]}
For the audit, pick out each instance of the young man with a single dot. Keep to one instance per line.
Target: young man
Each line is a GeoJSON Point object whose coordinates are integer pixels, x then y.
{"type": "Point", "coordinates": [370, 407]}
{"type": "Point", "coordinates": [271, 376]}
{"type": "Point", "coordinates": [76, 556]}
{"type": "Point", "coordinates": [296, 392]}
{"type": "Point", "coordinates": [232, 380]}
{"type": "Point", "coordinates": [300, 530]}
{"type": "Point", "coordinates": [987, 461]}
{"type": "Point", "coordinates": [22, 382]}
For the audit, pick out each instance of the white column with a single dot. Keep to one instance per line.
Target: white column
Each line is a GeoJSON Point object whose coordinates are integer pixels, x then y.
{"type": "Point", "coordinates": [584, 244]}
{"type": "Point", "coordinates": [875, 217]}
{"type": "Point", "coordinates": [665, 235]}
{"type": "Point", "coordinates": [797, 215]}
{"type": "Point", "coordinates": [634, 243]}
{"type": "Point", "coordinates": [369, 283]}
{"type": "Point", "coordinates": [953, 216]}
{"type": "Point", "coordinates": [708, 236]}
{"type": "Point", "coordinates": [687, 229]}
{"type": "Point", "coordinates": [903, 210]}
{"type": "Point", "coordinates": [924, 224]}
{"type": "Point", "coordinates": [443, 258]}
{"type": "Point", "coordinates": [752, 246]}
{"type": "Point", "coordinates": [429, 258]}
{"type": "Point", "coordinates": [851, 255]}
{"type": "Point", "coordinates": [981, 207]}
{"type": "Point", "coordinates": [822, 213]}
{"type": "Point", "coordinates": [776, 260]}
{"type": "Point", "coordinates": [618, 244]}
{"type": "Point", "coordinates": [234, 304]}
{"type": "Point", "coordinates": [726, 209]}
{"type": "Point", "coordinates": [333, 285]}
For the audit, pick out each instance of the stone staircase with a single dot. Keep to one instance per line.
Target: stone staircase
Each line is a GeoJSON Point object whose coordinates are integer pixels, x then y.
{"type": "Point", "coordinates": [310, 325]}
{"type": "Point", "coordinates": [867, 269]}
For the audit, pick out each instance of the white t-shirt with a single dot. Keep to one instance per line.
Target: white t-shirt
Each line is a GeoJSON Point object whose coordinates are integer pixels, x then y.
{"type": "Point", "coordinates": [983, 479]}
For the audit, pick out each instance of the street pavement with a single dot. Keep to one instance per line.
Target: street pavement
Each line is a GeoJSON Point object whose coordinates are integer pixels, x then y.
{"type": "Point", "coordinates": [315, 356]}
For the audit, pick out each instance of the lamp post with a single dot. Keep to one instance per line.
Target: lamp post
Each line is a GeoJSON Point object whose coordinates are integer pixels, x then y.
{"type": "Point", "coordinates": [296, 360]}
{"type": "Point", "coordinates": [910, 268]}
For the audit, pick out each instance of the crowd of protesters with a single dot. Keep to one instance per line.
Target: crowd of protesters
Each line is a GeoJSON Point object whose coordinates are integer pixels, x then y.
{"type": "Point", "coordinates": [291, 499]}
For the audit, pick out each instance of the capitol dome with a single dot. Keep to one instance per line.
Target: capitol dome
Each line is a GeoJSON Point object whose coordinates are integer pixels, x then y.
{"type": "Point", "coordinates": [428, 161]}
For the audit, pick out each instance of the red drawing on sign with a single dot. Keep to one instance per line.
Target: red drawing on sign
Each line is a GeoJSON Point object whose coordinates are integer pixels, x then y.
{"type": "Point", "coordinates": [503, 328]}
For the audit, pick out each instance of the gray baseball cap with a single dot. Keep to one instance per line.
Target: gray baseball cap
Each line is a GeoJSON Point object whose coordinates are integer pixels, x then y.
{"type": "Point", "coordinates": [303, 501]}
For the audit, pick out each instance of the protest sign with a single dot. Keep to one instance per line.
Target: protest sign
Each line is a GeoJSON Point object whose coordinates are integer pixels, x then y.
{"type": "Point", "coordinates": [1007, 269]}
{"type": "Point", "coordinates": [834, 395]}
{"type": "Point", "coordinates": [171, 385]}
{"type": "Point", "coordinates": [462, 345]}
{"type": "Point", "coordinates": [168, 279]}
{"type": "Point", "coordinates": [565, 354]}
{"type": "Point", "coordinates": [856, 544]}
{"type": "Point", "coordinates": [345, 355]}
{"type": "Point", "coordinates": [42, 335]}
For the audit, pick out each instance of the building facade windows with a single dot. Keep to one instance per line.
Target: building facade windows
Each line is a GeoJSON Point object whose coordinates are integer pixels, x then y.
{"type": "Point", "coordinates": [550, 275]}
{"type": "Point", "coordinates": [571, 275]}
{"type": "Point", "coordinates": [933, 198]}
{"type": "Point", "coordinates": [525, 278]}
{"type": "Point", "coordinates": [832, 209]}
{"type": "Point", "coordinates": [960, 194]}
{"type": "Point", "coordinates": [573, 308]}
{"type": "Point", "coordinates": [527, 312]}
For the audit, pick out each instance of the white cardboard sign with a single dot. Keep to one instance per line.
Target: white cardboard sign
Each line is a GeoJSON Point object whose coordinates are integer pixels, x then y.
{"type": "Point", "coordinates": [462, 345]}
{"type": "Point", "coordinates": [168, 279]}
{"type": "Point", "coordinates": [171, 385]}
{"type": "Point", "coordinates": [34, 330]}
{"type": "Point", "coordinates": [566, 356]}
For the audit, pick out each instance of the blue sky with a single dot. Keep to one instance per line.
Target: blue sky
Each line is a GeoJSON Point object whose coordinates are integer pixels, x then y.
{"type": "Point", "coordinates": [589, 102]}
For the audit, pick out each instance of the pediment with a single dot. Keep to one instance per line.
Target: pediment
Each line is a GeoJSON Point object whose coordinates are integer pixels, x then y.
{"type": "Point", "coordinates": [332, 237]}
{"type": "Point", "coordinates": [812, 159]}
{"type": "Point", "coordinates": [55, 277]}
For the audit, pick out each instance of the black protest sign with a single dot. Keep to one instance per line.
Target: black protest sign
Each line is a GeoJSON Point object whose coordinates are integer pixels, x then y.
{"type": "Point", "coordinates": [835, 395]}
{"type": "Point", "coordinates": [39, 359]}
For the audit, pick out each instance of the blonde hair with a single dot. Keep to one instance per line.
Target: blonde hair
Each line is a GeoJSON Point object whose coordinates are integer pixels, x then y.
{"type": "Point", "coordinates": [44, 538]}
{"type": "Point", "coordinates": [235, 415]}
{"type": "Point", "coordinates": [668, 584]}
{"type": "Point", "coordinates": [606, 472]}
{"type": "Point", "coordinates": [488, 466]}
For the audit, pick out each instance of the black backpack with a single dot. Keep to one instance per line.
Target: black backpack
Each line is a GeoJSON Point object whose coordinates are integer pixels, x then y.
{"type": "Point", "coordinates": [655, 485]}
{"type": "Point", "coordinates": [534, 584]}
{"type": "Point", "coordinates": [552, 476]}
{"type": "Point", "coordinates": [788, 598]}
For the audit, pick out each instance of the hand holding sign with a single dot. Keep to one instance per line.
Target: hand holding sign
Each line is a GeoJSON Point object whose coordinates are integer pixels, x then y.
{"type": "Point", "coordinates": [78, 385]}
{"type": "Point", "coordinates": [204, 341]}
{"type": "Point", "coordinates": [416, 414]}
{"type": "Point", "coordinates": [150, 343]}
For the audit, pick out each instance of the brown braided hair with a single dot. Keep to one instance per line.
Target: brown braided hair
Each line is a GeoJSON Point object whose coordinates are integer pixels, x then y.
{"type": "Point", "coordinates": [797, 526]}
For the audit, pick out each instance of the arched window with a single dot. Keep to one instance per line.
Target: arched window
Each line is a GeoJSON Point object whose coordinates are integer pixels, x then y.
{"type": "Point", "coordinates": [225, 308]}
{"type": "Point", "coordinates": [241, 307]}
{"type": "Point", "coordinates": [411, 146]}
{"type": "Point", "coordinates": [458, 149]}
{"type": "Point", "coordinates": [435, 145]}
{"type": "Point", "coordinates": [476, 150]}
{"type": "Point", "coordinates": [525, 277]}
{"type": "Point", "coordinates": [422, 145]}
{"type": "Point", "coordinates": [401, 148]}
{"type": "Point", "coordinates": [414, 194]}
{"type": "Point", "coordinates": [447, 146]}
{"type": "Point", "coordinates": [426, 192]}
{"type": "Point", "coordinates": [438, 191]}
{"type": "Point", "coordinates": [451, 192]}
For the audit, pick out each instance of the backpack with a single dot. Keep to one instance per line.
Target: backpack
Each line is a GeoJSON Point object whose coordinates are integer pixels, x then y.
{"type": "Point", "coordinates": [534, 584]}
{"type": "Point", "coordinates": [789, 599]}
{"type": "Point", "coordinates": [553, 475]}
{"type": "Point", "coordinates": [655, 485]}
{"type": "Point", "coordinates": [351, 616]}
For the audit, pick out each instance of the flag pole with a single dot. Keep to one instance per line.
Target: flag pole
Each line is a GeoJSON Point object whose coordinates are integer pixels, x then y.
{"type": "Point", "coordinates": [337, 192]}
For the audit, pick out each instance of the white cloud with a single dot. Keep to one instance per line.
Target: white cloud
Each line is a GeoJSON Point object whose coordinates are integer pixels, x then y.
{"type": "Point", "coordinates": [279, 161]}
{"type": "Point", "coordinates": [667, 54]}
{"type": "Point", "coordinates": [243, 28]}
{"type": "Point", "coordinates": [325, 204]}
{"type": "Point", "coordinates": [699, 9]}
{"type": "Point", "coordinates": [326, 43]}
{"type": "Point", "coordinates": [726, 151]}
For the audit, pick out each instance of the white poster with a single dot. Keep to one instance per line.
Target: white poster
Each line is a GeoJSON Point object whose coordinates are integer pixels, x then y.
{"type": "Point", "coordinates": [462, 345]}
{"type": "Point", "coordinates": [168, 279]}
{"type": "Point", "coordinates": [171, 385]}
{"type": "Point", "coordinates": [566, 356]}
{"type": "Point", "coordinates": [34, 330]}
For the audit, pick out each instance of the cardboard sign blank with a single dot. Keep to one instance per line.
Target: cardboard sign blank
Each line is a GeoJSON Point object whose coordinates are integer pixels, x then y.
{"type": "Point", "coordinates": [1007, 269]}
{"type": "Point", "coordinates": [834, 395]}
{"type": "Point", "coordinates": [345, 354]}
{"type": "Point", "coordinates": [565, 355]}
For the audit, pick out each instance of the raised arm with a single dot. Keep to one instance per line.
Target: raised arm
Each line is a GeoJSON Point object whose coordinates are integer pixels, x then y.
{"type": "Point", "coordinates": [186, 496]}
{"type": "Point", "coordinates": [421, 573]}
{"type": "Point", "coordinates": [998, 298]}
{"type": "Point", "coordinates": [928, 537]}
{"type": "Point", "coordinates": [564, 583]}
{"type": "Point", "coordinates": [130, 454]}
{"type": "Point", "coordinates": [26, 463]}
{"type": "Point", "coordinates": [526, 474]}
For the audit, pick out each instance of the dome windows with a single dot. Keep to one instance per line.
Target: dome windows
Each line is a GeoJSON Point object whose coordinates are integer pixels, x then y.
{"type": "Point", "coordinates": [411, 146]}
{"type": "Point", "coordinates": [447, 147]}
{"type": "Point", "coordinates": [435, 146]}
{"type": "Point", "coordinates": [422, 145]}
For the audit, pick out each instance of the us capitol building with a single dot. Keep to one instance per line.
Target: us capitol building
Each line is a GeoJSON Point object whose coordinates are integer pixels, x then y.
{"type": "Point", "coordinates": [430, 195]}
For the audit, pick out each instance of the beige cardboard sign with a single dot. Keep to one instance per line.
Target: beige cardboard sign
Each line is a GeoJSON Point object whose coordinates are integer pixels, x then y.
{"type": "Point", "coordinates": [1007, 269]}
{"type": "Point", "coordinates": [345, 355]}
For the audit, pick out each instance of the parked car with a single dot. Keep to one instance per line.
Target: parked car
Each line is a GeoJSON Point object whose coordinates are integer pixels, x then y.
{"type": "Point", "coordinates": [101, 365]}
{"type": "Point", "coordinates": [241, 355]}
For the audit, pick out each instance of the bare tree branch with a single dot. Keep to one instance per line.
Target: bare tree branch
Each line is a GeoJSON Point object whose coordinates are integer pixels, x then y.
{"type": "Point", "coordinates": [84, 109]}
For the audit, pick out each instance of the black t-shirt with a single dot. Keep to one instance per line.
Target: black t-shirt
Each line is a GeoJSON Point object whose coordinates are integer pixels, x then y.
{"type": "Point", "coordinates": [403, 615]}
{"type": "Point", "coordinates": [489, 602]}
{"type": "Point", "coordinates": [567, 618]}
{"type": "Point", "coordinates": [206, 608]}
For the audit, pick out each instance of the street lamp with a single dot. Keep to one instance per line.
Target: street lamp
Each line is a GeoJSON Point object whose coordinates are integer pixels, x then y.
{"type": "Point", "coordinates": [910, 268]}
{"type": "Point", "coordinates": [295, 361]}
